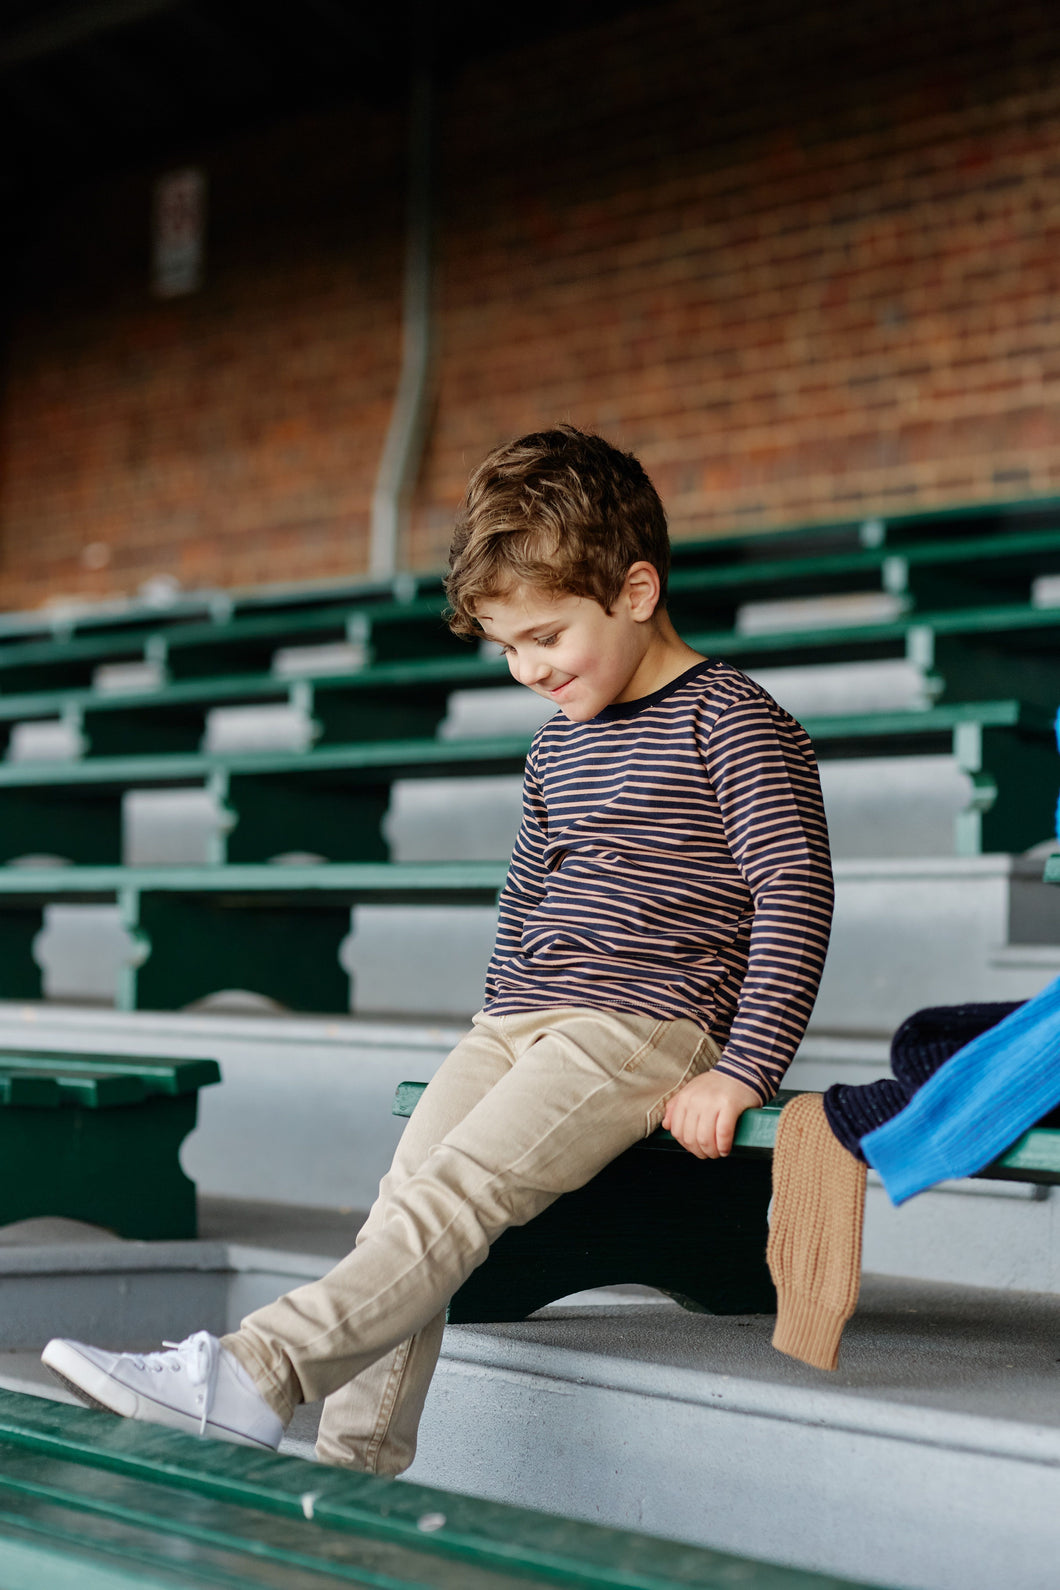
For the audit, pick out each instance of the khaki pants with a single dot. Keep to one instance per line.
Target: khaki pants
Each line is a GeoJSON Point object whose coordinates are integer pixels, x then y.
{"type": "Point", "coordinates": [526, 1108]}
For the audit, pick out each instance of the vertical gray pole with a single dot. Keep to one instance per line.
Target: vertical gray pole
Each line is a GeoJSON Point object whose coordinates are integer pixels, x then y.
{"type": "Point", "coordinates": [403, 448]}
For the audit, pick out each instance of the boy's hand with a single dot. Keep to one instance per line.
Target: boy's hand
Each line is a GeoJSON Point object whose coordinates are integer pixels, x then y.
{"type": "Point", "coordinates": [704, 1114]}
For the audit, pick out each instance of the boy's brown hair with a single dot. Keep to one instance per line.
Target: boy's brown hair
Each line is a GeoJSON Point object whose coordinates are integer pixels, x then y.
{"type": "Point", "coordinates": [560, 510]}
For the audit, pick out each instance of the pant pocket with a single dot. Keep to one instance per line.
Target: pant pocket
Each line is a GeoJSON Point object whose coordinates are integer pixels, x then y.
{"type": "Point", "coordinates": [704, 1058]}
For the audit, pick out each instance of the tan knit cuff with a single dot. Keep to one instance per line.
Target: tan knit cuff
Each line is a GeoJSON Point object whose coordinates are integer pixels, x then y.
{"type": "Point", "coordinates": [806, 1330]}
{"type": "Point", "coordinates": [815, 1229]}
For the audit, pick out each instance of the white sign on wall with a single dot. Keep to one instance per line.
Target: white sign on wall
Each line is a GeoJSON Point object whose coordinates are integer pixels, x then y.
{"type": "Point", "coordinates": [178, 233]}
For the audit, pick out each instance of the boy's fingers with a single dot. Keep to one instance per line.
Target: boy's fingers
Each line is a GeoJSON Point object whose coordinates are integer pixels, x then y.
{"type": "Point", "coordinates": [684, 1130]}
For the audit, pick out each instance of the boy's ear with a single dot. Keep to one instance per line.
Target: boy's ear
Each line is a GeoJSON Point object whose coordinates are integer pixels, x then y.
{"type": "Point", "coordinates": [642, 588]}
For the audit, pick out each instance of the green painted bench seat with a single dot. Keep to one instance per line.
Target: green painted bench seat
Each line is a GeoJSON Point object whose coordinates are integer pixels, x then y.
{"type": "Point", "coordinates": [331, 800]}
{"type": "Point", "coordinates": [216, 605]}
{"type": "Point", "coordinates": [962, 655]}
{"type": "Point", "coordinates": [100, 1503]}
{"type": "Point", "coordinates": [938, 564]}
{"type": "Point", "coordinates": [619, 1229]}
{"type": "Point", "coordinates": [1009, 651]}
{"type": "Point", "coordinates": [272, 929]}
{"type": "Point", "coordinates": [382, 630]}
{"type": "Point", "coordinates": [711, 581]}
{"type": "Point", "coordinates": [97, 1138]}
{"type": "Point", "coordinates": [387, 701]}
{"type": "Point", "coordinates": [968, 571]}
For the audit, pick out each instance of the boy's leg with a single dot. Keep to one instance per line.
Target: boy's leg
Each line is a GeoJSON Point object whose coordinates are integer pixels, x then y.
{"type": "Point", "coordinates": [197, 1386]}
{"type": "Point", "coordinates": [370, 1423]}
{"type": "Point", "coordinates": [585, 1085]}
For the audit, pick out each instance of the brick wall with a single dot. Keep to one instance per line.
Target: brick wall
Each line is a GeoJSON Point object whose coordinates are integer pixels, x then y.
{"type": "Point", "coordinates": [802, 259]}
{"type": "Point", "coordinates": [229, 437]}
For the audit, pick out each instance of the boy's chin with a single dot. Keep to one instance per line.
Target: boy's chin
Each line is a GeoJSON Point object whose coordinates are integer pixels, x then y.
{"type": "Point", "coordinates": [578, 714]}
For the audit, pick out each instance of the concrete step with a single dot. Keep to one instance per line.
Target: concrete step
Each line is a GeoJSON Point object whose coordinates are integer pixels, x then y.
{"type": "Point", "coordinates": [908, 932]}
{"type": "Point", "coordinates": [303, 1119]}
{"type": "Point", "coordinates": [931, 1460]}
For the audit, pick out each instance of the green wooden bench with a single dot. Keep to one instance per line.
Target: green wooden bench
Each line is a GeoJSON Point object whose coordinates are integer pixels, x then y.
{"type": "Point", "coordinates": [1010, 651]}
{"type": "Point", "coordinates": [99, 1503]}
{"type": "Point", "coordinates": [120, 618]}
{"type": "Point", "coordinates": [382, 631]}
{"type": "Point", "coordinates": [380, 702]}
{"type": "Point", "coordinates": [331, 800]}
{"type": "Point", "coordinates": [955, 571]}
{"type": "Point", "coordinates": [273, 929]}
{"type": "Point", "coordinates": [97, 1138]}
{"type": "Point", "coordinates": [619, 1228]}
{"type": "Point", "coordinates": [99, 618]}
{"type": "Point", "coordinates": [937, 563]}
{"type": "Point", "coordinates": [972, 570]}
{"type": "Point", "coordinates": [962, 654]}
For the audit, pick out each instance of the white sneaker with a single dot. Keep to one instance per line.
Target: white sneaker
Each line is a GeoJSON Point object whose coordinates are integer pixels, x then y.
{"type": "Point", "coordinates": [196, 1385]}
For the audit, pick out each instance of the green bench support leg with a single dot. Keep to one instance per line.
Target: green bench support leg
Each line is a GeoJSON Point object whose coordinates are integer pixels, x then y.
{"type": "Point", "coordinates": [966, 669]}
{"type": "Point", "coordinates": [1010, 812]}
{"type": "Point", "coordinates": [79, 825]}
{"type": "Point", "coordinates": [20, 975]}
{"type": "Point", "coordinates": [343, 715]}
{"type": "Point", "coordinates": [190, 946]}
{"type": "Point", "coordinates": [142, 731]}
{"type": "Point", "coordinates": [696, 612]}
{"type": "Point", "coordinates": [117, 1167]}
{"type": "Point", "coordinates": [952, 585]}
{"type": "Point", "coordinates": [405, 640]}
{"type": "Point", "coordinates": [695, 1229]}
{"type": "Point", "coordinates": [264, 817]}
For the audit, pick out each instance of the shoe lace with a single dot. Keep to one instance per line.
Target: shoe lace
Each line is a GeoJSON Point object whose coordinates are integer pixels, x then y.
{"type": "Point", "coordinates": [196, 1355]}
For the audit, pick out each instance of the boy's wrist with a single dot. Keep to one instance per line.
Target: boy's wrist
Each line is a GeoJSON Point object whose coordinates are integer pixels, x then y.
{"type": "Point", "coordinates": [741, 1072]}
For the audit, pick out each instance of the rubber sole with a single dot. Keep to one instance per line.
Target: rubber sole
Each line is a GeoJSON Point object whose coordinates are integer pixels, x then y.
{"type": "Point", "coordinates": [135, 1406]}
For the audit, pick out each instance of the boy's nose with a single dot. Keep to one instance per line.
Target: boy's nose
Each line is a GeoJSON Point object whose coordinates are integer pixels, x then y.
{"type": "Point", "coordinates": [532, 670]}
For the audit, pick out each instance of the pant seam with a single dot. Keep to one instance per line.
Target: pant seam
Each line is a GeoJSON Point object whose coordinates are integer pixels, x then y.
{"type": "Point", "coordinates": [465, 1202]}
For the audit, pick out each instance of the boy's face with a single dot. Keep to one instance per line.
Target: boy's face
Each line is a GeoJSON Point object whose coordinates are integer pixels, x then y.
{"type": "Point", "coordinates": [569, 650]}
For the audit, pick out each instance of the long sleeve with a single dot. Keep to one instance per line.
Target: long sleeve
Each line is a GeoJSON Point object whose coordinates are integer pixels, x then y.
{"type": "Point", "coordinates": [764, 775]}
{"type": "Point", "coordinates": [524, 886]}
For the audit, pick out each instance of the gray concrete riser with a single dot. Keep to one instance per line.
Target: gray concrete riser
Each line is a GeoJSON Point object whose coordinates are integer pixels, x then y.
{"type": "Point", "coordinates": [640, 1415]}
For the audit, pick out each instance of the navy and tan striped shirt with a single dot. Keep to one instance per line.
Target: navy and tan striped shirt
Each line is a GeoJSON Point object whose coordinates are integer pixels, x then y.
{"type": "Point", "coordinates": [673, 861]}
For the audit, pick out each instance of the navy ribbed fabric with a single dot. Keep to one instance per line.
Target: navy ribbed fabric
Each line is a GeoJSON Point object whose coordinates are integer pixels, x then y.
{"type": "Point", "coordinates": [923, 1042]}
{"type": "Point", "coordinates": [976, 1104]}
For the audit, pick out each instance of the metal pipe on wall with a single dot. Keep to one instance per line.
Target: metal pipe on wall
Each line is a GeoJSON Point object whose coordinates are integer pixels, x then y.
{"type": "Point", "coordinates": [403, 448]}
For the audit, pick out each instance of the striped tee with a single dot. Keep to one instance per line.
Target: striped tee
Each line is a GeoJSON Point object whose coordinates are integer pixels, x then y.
{"type": "Point", "coordinates": [673, 861]}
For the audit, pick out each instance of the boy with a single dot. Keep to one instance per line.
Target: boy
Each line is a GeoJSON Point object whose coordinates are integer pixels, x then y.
{"type": "Point", "coordinates": [661, 936]}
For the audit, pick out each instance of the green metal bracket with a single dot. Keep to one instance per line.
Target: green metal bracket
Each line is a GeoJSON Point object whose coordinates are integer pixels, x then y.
{"type": "Point", "coordinates": [79, 825]}
{"type": "Point", "coordinates": [1014, 782]}
{"type": "Point", "coordinates": [117, 1167]}
{"type": "Point", "coordinates": [188, 946]}
{"type": "Point", "coordinates": [142, 731]}
{"type": "Point", "coordinates": [268, 815]}
{"type": "Point", "coordinates": [20, 973]}
{"type": "Point", "coordinates": [342, 713]}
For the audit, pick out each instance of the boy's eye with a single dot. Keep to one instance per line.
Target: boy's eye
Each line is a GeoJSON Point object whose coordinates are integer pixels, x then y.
{"type": "Point", "coordinates": [539, 640]}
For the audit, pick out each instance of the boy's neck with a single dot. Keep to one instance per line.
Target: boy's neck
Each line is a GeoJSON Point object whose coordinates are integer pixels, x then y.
{"type": "Point", "coordinates": [666, 658]}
